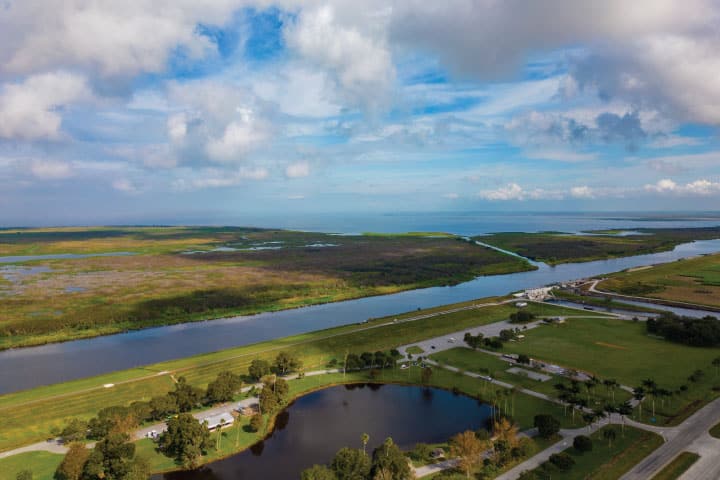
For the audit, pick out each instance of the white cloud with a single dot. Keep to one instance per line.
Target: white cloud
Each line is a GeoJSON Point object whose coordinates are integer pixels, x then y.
{"type": "Point", "coordinates": [560, 155]}
{"type": "Point", "coordinates": [701, 187]}
{"type": "Point", "coordinates": [513, 191]}
{"type": "Point", "coordinates": [124, 185]}
{"type": "Point", "coordinates": [451, 196]}
{"type": "Point", "coordinates": [240, 136]}
{"type": "Point", "coordinates": [297, 170]}
{"type": "Point", "coordinates": [356, 52]}
{"type": "Point", "coordinates": [582, 192]}
{"type": "Point", "coordinates": [51, 169]}
{"type": "Point", "coordinates": [29, 110]}
{"type": "Point", "coordinates": [177, 127]}
{"type": "Point", "coordinates": [216, 178]}
{"type": "Point", "coordinates": [110, 37]}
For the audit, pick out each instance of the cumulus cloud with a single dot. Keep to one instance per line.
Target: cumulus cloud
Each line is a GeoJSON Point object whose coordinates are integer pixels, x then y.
{"type": "Point", "coordinates": [513, 191]}
{"type": "Point", "coordinates": [297, 170]}
{"type": "Point", "coordinates": [109, 37]}
{"type": "Point", "coordinates": [359, 56]}
{"type": "Point", "coordinates": [582, 192]}
{"type": "Point", "coordinates": [701, 187]}
{"type": "Point", "coordinates": [29, 110]}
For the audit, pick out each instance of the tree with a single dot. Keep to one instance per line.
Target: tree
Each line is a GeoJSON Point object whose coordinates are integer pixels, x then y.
{"type": "Point", "coordinates": [286, 363]}
{"type": "Point", "coordinates": [74, 431]}
{"type": "Point", "coordinates": [547, 425]}
{"type": "Point", "coordinates": [716, 364]}
{"type": "Point", "coordinates": [562, 460]}
{"type": "Point", "coordinates": [624, 409]}
{"type": "Point", "coordinates": [318, 472]}
{"type": "Point", "coordinates": [163, 406]}
{"type": "Point", "coordinates": [112, 458]}
{"type": "Point", "coordinates": [468, 450]}
{"type": "Point", "coordinates": [223, 388]}
{"type": "Point", "coordinates": [256, 422]}
{"type": "Point", "coordinates": [422, 451]}
{"type": "Point", "coordinates": [258, 369]}
{"type": "Point", "coordinates": [350, 464]}
{"type": "Point", "coordinates": [71, 467]}
{"type": "Point", "coordinates": [269, 402]}
{"type": "Point", "coordinates": [388, 458]}
{"type": "Point", "coordinates": [364, 438]}
{"type": "Point", "coordinates": [185, 440]}
{"type": "Point", "coordinates": [609, 435]}
{"type": "Point", "coordinates": [24, 475]}
{"type": "Point", "coordinates": [425, 375]}
{"type": "Point", "coordinates": [524, 359]}
{"type": "Point", "coordinates": [186, 396]}
{"type": "Point", "coordinates": [112, 419]}
{"type": "Point", "coordinates": [582, 443]}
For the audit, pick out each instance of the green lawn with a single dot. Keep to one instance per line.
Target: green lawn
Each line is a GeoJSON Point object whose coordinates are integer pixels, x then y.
{"type": "Point", "coordinates": [606, 462]}
{"type": "Point", "coordinates": [628, 355]}
{"type": "Point", "coordinates": [715, 431]}
{"type": "Point", "coordinates": [677, 467]}
{"type": "Point", "coordinates": [479, 362]}
{"type": "Point", "coordinates": [29, 416]}
{"type": "Point", "coordinates": [41, 464]}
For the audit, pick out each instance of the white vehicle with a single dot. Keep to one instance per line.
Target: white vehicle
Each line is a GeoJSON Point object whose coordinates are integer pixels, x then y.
{"type": "Point", "coordinates": [487, 378]}
{"type": "Point", "coordinates": [404, 366]}
{"type": "Point", "coordinates": [451, 340]}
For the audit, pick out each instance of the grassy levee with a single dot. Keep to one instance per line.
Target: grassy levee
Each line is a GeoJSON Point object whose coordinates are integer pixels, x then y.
{"type": "Point", "coordinates": [677, 467]}
{"type": "Point", "coordinates": [694, 280]}
{"type": "Point", "coordinates": [629, 356]}
{"type": "Point", "coordinates": [557, 247]}
{"type": "Point", "coordinates": [28, 416]}
{"type": "Point", "coordinates": [607, 462]}
{"type": "Point", "coordinates": [479, 362]}
{"type": "Point", "coordinates": [241, 271]}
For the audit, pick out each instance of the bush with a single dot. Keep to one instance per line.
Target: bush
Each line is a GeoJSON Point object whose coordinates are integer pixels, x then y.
{"type": "Point", "coordinates": [583, 443]}
{"type": "Point", "coordinates": [256, 422]}
{"type": "Point", "coordinates": [547, 425]}
{"type": "Point", "coordinates": [562, 460]}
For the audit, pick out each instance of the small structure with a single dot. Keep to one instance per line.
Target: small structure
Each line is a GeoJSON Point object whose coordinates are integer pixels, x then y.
{"type": "Point", "coordinates": [218, 421]}
{"type": "Point", "coordinates": [437, 453]}
{"type": "Point", "coordinates": [521, 304]}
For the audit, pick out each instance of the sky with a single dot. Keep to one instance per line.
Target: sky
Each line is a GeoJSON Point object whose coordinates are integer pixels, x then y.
{"type": "Point", "coordinates": [169, 110]}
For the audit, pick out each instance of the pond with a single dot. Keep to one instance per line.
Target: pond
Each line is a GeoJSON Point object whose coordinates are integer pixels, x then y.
{"type": "Point", "coordinates": [317, 425]}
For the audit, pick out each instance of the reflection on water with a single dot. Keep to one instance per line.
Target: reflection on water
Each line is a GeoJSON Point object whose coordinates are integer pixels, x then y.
{"type": "Point", "coordinates": [313, 428]}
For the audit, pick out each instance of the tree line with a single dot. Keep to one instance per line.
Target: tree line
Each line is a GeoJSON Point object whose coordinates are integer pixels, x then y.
{"type": "Point", "coordinates": [697, 332]}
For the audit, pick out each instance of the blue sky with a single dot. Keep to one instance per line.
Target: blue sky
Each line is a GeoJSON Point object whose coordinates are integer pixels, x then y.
{"type": "Point", "coordinates": [144, 110]}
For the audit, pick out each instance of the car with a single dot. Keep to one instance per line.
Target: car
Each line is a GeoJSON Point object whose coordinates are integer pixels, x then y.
{"type": "Point", "coordinates": [487, 378]}
{"type": "Point", "coordinates": [404, 366]}
{"type": "Point", "coordinates": [432, 346]}
{"type": "Point", "coordinates": [451, 340]}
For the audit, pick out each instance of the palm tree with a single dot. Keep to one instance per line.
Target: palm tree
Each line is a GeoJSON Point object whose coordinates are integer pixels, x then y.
{"type": "Point", "coordinates": [365, 438]}
{"type": "Point", "coordinates": [611, 385]}
{"type": "Point", "coordinates": [639, 395]}
{"type": "Point", "coordinates": [609, 435]}
{"type": "Point", "coordinates": [652, 389]}
{"type": "Point", "coordinates": [220, 427]}
{"type": "Point", "coordinates": [624, 409]}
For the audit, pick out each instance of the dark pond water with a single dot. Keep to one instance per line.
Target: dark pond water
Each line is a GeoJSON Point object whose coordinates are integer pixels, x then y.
{"type": "Point", "coordinates": [313, 428]}
{"type": "Point", "coordinates": [30, 367]}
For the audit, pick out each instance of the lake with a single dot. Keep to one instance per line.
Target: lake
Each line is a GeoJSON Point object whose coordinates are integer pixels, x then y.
{"type": "Point", "coordinates": [317, 425]}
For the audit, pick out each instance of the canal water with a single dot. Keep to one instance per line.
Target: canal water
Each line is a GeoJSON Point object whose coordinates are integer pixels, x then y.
{"type": "Point", "coordinates": [317, 425]}
{"type": "Point", "coordinates": [30, 367]}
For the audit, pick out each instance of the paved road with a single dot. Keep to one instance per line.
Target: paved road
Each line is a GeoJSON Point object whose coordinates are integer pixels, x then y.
{"type": "Point", "coordinates": [692, 431]}
{"type": "Point", "coordinates": [708, 465]}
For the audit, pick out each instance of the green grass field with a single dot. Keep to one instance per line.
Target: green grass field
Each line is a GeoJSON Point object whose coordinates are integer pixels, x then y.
{"type": "Point", "coordinates": [677, 467]}
{"type": "Point", "coordinates": [556, 247]}
{"type": "Point", "coordinates": [607, 462]}
{"type": "Point", "coordinates": [41, 464]}
{"type": "Point", "coordinates": [29, 416]}
{"type": "Point", "coordinates": [715, 431]}
{"type": "Point", "coordinates": [695, 280]}
{"type": "Point", "coordinates": [629, 356]}
{"type": "Point", "coordinates": [483, 363]}
{"type": "Point", "coordinates": [241, 271]}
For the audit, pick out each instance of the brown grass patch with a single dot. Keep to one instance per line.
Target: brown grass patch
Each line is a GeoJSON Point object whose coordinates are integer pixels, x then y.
{"type": "Point", "coordinates": [611, 345]}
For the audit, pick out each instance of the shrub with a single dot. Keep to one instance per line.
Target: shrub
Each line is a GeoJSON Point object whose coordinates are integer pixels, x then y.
{"type": "Point", "coordinates": [582, 443]}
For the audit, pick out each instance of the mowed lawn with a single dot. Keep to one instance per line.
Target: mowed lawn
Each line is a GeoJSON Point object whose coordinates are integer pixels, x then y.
{"type": "Point", "coordinates": [622, 350]}
{"type": "Point", "coordinates": [41, 464]}
{"type": "Point", "coordinates": [607, 462]}
{"type": "Point", "coordinates": [479, 362]}
{"type": "Point", "coordinates": [29, 416]}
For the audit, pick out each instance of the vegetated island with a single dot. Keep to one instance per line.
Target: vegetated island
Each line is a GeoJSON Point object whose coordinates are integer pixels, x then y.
{"type": "Point", "coordinates": [557, 247]}
{"type": "Point", "coordinates": [168, 275]}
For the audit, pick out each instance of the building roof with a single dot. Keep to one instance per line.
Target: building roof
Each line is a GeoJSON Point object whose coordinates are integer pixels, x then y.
{"type": "Point", "coordinates": [215, 420]}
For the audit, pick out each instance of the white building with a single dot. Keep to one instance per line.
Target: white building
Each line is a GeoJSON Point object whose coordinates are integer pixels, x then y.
{"type": "Point", "coordinates": [216, 421]}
